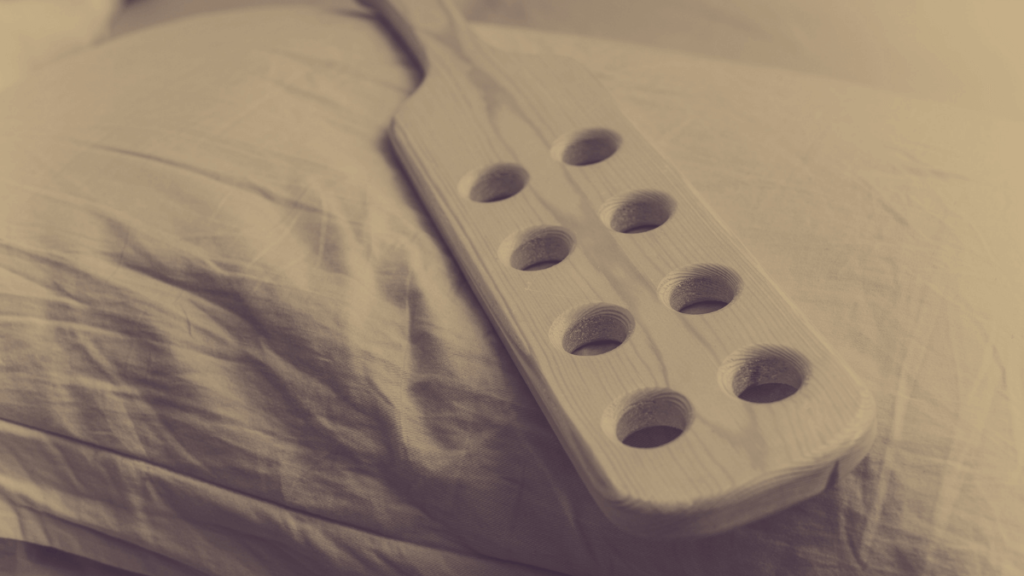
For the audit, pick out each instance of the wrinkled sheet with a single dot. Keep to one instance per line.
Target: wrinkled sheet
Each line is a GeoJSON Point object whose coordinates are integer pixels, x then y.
{"type": "Point", "coordinates": [232, 342]}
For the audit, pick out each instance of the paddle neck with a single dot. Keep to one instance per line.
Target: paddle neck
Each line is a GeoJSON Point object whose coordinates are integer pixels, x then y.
{"type": "Point", "coordinates": [433, 30]}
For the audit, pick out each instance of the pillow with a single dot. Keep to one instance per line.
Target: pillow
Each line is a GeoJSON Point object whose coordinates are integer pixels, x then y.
{"type": "Point", "coordinates": [233, 343]}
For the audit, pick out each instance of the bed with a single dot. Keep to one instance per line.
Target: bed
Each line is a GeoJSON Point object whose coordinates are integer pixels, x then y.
{"type": "Point", "coordinates": [232, 342]}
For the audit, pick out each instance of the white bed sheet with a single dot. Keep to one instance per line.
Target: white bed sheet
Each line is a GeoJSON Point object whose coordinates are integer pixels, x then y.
{"type": "Point", "coordinates": [34, 33]}
{"type": "Point", "coordinates": [960, 52]}
{"type": "Point", "coordinates": [232, 343]}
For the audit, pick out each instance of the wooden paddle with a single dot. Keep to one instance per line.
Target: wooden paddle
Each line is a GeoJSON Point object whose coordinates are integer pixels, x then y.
{"type": "Point", "coordinates": [691, 395]}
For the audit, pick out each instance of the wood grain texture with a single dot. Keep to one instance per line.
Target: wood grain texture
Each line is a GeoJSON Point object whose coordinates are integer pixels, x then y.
{"type": "Point", "coordinates": [577, 236]}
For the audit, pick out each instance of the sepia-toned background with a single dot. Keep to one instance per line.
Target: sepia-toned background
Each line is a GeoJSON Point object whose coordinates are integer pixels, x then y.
{"type": "Point", "coordinates": [231, 341]}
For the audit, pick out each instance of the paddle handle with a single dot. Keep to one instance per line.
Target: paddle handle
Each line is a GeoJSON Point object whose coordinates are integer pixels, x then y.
{"type": "Point", "coordinates": [432, 30]}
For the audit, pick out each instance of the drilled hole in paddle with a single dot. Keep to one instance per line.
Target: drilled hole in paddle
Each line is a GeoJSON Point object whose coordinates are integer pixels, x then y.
{"type": "Point", "coordinates": [764, 374]}
{"type": "Point", "coordinates": [637, 212]}
{"type": "Point", "coordinates": [767, 392]}
{"type": "Point", "coordinates": [592, 330]}
{"type": "Point", "coordinates": [703, 307]}
{"type": "Point", "coordinates": [651, 420]}
{"type": "Point", "coordinates": [586, 147]}
{"type": "Point", "coordinates": [699, 289]}
{"type": "Point", "coordinates": [597, 347]}
{"type": "Point", "coordinates": [494, 183]}
{"type": "Point", "coordinates": [537, 248]}
{"type": "Point", "coordinates": [542, 265]}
